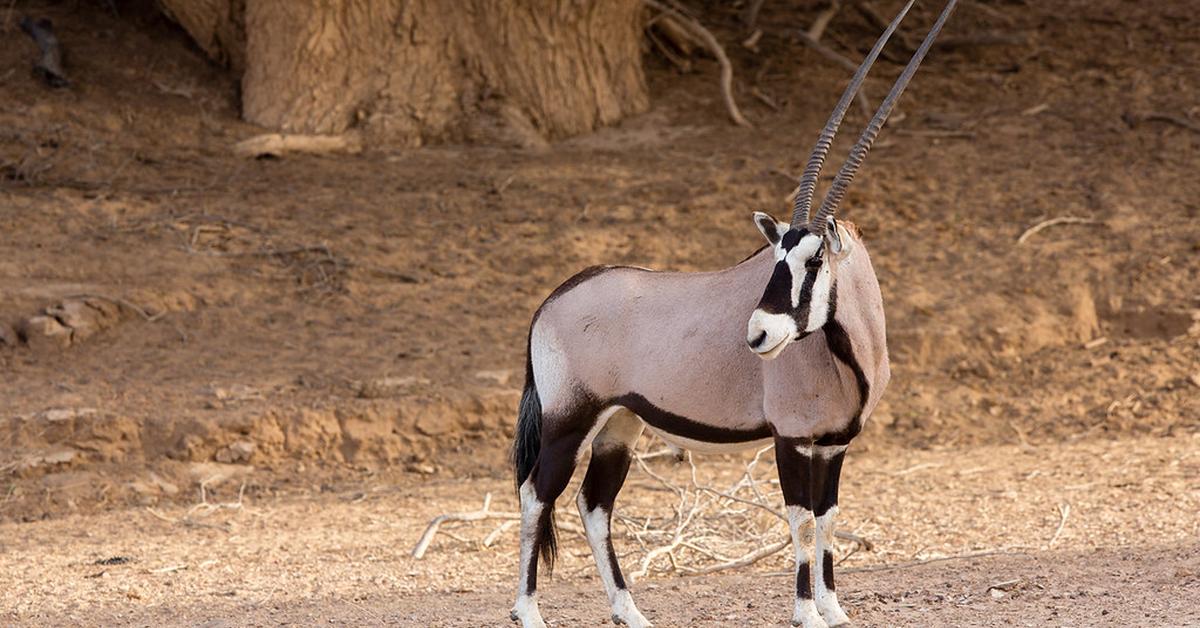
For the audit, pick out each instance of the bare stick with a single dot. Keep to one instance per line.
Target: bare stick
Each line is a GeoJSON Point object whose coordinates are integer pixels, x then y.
{"type": "Point", "coordinates": [750, 17]}
{"type": "Point", "coordinates": [710, 42]}
{"type": "Point", "coordinates": [1169, 119]}
{"type": "Point", "coordinates": [822, 21]}
{"type": "Point", "coordinates": [1064, 511]}
{"type": "Point", "coordinates": [914, 563]}
{"type": "Point", "coordinates": [748, 559]}
{"type": "Point", "coordinates": [279, 144]}
{"type": "Point", "coordinates": [840, 59]}
{"type": "Point", "coordinates": [877, 20]}
{"type": "Point", "coordinates": [1061, 220]}
{"type": "Point", "coordinates": [483, 513]}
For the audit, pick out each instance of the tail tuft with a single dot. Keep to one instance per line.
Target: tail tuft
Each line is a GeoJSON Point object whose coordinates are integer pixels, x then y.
{"type": "Point", "coordinates": [527, 444]}
{"type": "Point", "coordinates": [528, 441]}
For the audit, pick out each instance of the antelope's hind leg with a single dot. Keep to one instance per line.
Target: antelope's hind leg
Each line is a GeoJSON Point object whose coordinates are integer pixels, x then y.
{"type": "Point", "coordinates": [562, 440]}
{"type": "Point", "coordinates": [612, 451]}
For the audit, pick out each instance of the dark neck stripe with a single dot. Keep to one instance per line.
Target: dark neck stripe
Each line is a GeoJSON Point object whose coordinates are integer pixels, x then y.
{"type": "Point", "coordinates": [843, 350]}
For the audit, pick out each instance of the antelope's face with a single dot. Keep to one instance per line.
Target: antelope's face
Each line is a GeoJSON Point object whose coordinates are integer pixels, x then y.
{"type": "Point", "coordinates": [800, 295]}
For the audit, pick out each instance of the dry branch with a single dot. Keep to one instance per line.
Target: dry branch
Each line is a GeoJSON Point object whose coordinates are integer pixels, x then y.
{"type": "Point", "coordinates": [838, 58]}
{"type": "Point", "coordinates": [1155, 116]}
{"type": "Point", "coordinates": [279, 144]}
{"type": "Point", "coordinates": [823, 18]}
{"type": "Point", "coordinates": [710, 42]}
{"type": "Point", "coordinates": [1061, 220]}
{"type": "Point", "coordinates": [1064, 511]}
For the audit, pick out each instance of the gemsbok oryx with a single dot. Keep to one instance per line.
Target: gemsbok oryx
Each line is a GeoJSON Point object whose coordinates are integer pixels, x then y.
{"type": "Point", "coordinates": [711, 361]}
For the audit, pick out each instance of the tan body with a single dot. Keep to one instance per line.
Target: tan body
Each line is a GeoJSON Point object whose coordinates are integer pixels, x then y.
{"type": "Point", "coordinates": [678, 340]}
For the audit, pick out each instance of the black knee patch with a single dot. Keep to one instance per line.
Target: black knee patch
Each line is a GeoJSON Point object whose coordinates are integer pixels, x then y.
{"type": "Point", "coordinates": [827, 472]}
{"type": "Point", "coordinates": [827, 570]}
{"type": "Point", "coordinates": [803, 581]}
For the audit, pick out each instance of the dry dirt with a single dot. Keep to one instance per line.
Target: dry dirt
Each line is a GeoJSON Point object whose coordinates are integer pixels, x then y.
{"type": "Point", "coordinates": [343, 337]}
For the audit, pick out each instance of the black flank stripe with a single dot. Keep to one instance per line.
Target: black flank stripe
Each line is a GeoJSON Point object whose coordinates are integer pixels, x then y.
{"type": "Point", "coordinates": [682, 426]}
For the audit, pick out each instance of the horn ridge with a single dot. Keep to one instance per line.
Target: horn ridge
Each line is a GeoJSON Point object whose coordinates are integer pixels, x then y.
{"type": "Point", "coordinates": [808, 181]}
{"type": "Point", "coordinates": [858, 154]}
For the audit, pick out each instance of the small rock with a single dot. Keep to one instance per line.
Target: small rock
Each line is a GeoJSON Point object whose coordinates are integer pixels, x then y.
{"type": "Point", "coordinates": [388, 386]}
{"type": "Point", "coordinates": [501, 377]}
{"type": "Point", "coordinates": [421, 468]}
{"type": "Point", "coordinates": [1195, 379]}
{"type": "Point", "coordinates": [997, 594]}
{"type": "Point", "coordinates": [45, 333]}
{"type": "Point", "coordinates": [8, 335]}
{"type": "Point", "coordinates": [82, 320]}
{"type": "Point", "coordinates": [167, 487]}
{"type": "Point", "coordinates": [212, 473]}
{"type": "Point", "coordinates": [56, 415]}
{"type": "Point", "coordinates": [238, 452]}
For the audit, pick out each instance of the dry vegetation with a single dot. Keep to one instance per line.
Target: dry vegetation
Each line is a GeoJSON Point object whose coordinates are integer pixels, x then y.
{"type": "Point", "coordinates": [260, 379]}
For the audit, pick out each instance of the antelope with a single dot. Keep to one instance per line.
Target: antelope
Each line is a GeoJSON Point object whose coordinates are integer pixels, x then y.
{"type": "Point", "coordinates": [712, 361]}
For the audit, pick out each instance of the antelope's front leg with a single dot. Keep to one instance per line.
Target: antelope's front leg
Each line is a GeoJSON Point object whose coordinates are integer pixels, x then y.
{"type": "Point", "coordinates": [794, 460]}
{"type": "Point", "coordinates": [827, 470]}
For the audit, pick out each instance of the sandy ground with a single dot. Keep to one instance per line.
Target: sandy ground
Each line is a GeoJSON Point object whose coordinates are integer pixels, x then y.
{"type": "Point", "coordinates": [1125, 554]}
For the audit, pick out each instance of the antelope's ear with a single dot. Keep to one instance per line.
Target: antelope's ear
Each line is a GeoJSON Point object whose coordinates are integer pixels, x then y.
{"type": "Point", "coordinates": [771, 229]}
{"type": "Point", "coordinates": [835, 239]}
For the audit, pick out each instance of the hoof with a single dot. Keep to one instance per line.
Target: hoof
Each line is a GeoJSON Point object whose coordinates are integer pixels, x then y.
{"type": "Point", "coordinates": [617, 620]}
{"type": "Point", "coordinates": [513, 616]}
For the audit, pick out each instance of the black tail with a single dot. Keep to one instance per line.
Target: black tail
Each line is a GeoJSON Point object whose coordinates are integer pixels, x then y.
{"type": "Point", "coordinates": [526, 445]}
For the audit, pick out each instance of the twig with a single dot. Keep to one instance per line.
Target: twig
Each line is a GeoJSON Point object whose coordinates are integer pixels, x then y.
{"type": "Point", "coordinates": [838, 58]}
{"type": "Point", "coordinates": [966, 135]}
{"type": "Point", "coordinates": [750, 16]}
{"type": "Point", "coordinates": [279, 144]}
{"type": "Point", "coordinates": [1179, 121]}
{"type": "Point", "coordinates": [982, 39]}
{"type": "Point", "coordinates": [1061, 220]}
{"type": "Point", "coordinates": [822, 20]}
{"type": "Point", "coordinates": [913, 563]}
{"type": "Point", "coordinates": [710, 42]}
{"type": "Point", "coordinates": [919, 467]}
{"type": "Point", "coordinates": [1064, 511]}
{"type": "Point", "coordinates": [877, 20]}
{"type": "Point", "coordinates": [748, 559]}
{"type": "Point", "coordinates": [482, 514]}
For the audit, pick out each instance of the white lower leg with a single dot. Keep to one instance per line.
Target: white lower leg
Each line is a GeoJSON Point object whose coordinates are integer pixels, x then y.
{"type": "Point", "coordinates": [823, 584]}
{"type": "Point", "coordinates": [525, 610]}
{"type": "Point", "coordinates": [596, 524]}
{"type": "Point", "coordinates": [800, 521]}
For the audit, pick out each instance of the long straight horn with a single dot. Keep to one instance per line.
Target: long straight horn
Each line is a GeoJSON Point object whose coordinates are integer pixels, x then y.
{"type": "Point", "coordinates": [808, 181]}
{"type": "Point", "coordinates": [837, 189]}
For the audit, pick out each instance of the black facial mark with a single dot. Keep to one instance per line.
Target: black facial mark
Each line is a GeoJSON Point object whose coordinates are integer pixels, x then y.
{"type": "Point", "coordinates": [777, 299]}
{"type": "Point", "coordinates": [792, 238]}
